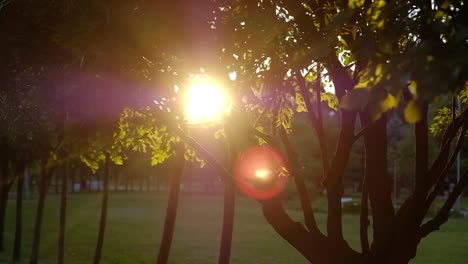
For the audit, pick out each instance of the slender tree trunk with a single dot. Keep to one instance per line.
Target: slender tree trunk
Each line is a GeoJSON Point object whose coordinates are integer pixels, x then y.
{"type": "Point", "coordinates": [103, 219]}
{"type": "Point", "coordinates": [99, 178]}
{"type": "Point", "coordinates": [228, 222]}
{"type": "Point", "coordinates": [4, 190]}
{"type": "Point", "coordinates": [19, 218]}
{"type": "Point", "coordinates": [171, 211]}
{"type": "Point", "coordinates": [3, 205]}
{"type": "Point", "coordinates": [141, 183]}
{"type": "Point", "coordinates": [44, 178]}
{"type": "Point", "coordinates": [157, 183]}
{"type": "Point", "coordinates": [228, 214]}
{"type": "Point", "coordinates": [63, 215]}
{"type": "Point", "coordinates": [56, 180]}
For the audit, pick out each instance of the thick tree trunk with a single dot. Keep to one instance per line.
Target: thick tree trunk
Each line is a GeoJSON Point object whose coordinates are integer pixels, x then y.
{"type": "Point", "coordinates": [19, 217]}
{"type": "Point", "coordinates": [171, 211]}
{"type": "Point", "coordinates": [378, 183]}
{"type": "Point", "coordinates": [103, 219]}
{"type": "Point", "coordinates": [44, 179]}
{"type": "Point", "coordinates": [63, 215]}
{"type": "Point", "coordinates": [317, 249]}
{"type": "Point", "coordinates": [228, 222]}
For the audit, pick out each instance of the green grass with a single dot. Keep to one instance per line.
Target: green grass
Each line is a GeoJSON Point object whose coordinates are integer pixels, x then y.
{"type": "Point", "coordinates": [135, 224]}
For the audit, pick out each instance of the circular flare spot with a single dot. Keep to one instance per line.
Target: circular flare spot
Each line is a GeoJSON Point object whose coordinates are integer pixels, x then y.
{"type": "Point", "coordinates": [260, 172]}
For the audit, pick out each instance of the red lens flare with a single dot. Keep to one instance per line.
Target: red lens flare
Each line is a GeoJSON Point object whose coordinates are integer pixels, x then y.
{"type": "Point", "coordinates": [260, 172]}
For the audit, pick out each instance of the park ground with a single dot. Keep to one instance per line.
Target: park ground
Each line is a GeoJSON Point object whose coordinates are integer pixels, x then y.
{"type": "Point", "coordinates": [135, 225]}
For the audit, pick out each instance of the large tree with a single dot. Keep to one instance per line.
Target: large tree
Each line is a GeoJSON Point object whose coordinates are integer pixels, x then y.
{"type": "Point", "coordinates": [378, 56]}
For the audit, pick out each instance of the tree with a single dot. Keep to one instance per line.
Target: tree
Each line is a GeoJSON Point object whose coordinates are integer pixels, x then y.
{"type": "Point", "coordinates": [374, 54]}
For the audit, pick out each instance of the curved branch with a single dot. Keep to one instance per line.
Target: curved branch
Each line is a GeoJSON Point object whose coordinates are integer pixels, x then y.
{"type": "Point", "coordinates": [430, 199]}
{"type": "Point", "coordinates": [444, 213]}
{"type": "Point", "coordinates": [300, 185]}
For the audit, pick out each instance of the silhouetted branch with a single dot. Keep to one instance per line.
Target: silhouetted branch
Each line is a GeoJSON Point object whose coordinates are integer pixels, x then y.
{"type": "Point", "coordinates": [444, 213]}
{"type": "Point", "coordinates": [316, 123]}
{"type": "Point", "coordinates": [449, 165]}
{"type": "Point", "coordinates": [300, 185]}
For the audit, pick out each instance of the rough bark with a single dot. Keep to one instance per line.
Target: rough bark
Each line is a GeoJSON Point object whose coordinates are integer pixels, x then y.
{"type": "Point", "coordinates": [103, 218]}
{"type": "Point", "coordinates": [63, 215]}
{"type": "Point", "coordinates": [172, 204]}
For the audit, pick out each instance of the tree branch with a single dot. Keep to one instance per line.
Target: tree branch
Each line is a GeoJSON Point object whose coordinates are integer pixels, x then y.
{"type": "Point", "coordinates": [444, 213]}
{"type": "Point", "coordinates": [448, 166]}
{"type": "Point", "coordinates": [316, 123]}
{"type": "Point", "coordinates": [268, 138]}
{"type": "Point", "coordinates": [203, 152]}
{"type": "Point", "coordinates": [335, 176]}
{"type": "Point", "coordinates": [362, 131]}
{"type": "Point", "coordinates": [300, 185]}
{"type": "Point", "coordinates": [438, 165]}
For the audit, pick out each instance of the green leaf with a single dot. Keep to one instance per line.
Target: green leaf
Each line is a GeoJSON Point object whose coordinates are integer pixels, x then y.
{"type": "Point", "coordinates": [353, 4]}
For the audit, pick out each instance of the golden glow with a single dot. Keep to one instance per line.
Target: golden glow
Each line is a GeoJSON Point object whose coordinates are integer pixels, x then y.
{"type": "Point", "coordinates": [205, 102]}
{"type": "Point", "coordinates": [262, 174]}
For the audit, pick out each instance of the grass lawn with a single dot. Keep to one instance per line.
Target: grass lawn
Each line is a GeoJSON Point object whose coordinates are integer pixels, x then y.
{"type": "Point", "coordinates": [135, 224]}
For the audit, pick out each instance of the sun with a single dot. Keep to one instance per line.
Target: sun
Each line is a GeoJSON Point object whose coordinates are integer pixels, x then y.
{"type": "Point", "coordinates": [205, 102]}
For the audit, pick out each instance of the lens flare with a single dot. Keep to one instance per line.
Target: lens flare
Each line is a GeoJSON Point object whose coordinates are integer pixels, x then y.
{"type": "Point", "coordinates": [260, 172]}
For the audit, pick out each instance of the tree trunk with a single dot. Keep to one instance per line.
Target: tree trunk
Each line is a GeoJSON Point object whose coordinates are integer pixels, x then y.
{"type": "Point", "coordinates": [378, 183]}
{"type": "Point", "coordinates": [63, 215]}
{"type": "Point", "coordinates": [171, 211]}
{"type": "Point", "coordinates": [228, 214]}
{"type": "Point", "coordinates": [98, 179]}
{"type": "Point", "coordinates": [228, 222]}
{"type": "Point", "coordinates": [4, 190]}
{"type": "Point", "coordinates": [317, 249]}
{"type": "Point", "coordinates": [103, 219]}
{"type": "Point", "coordinates": [19, 218]}
{"type": "Point", "coordinates": [56, 181]}
{"type": "Point", "coordinates": [3, 204]}
{"type": "Point", "coordinates": [44, 178]}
